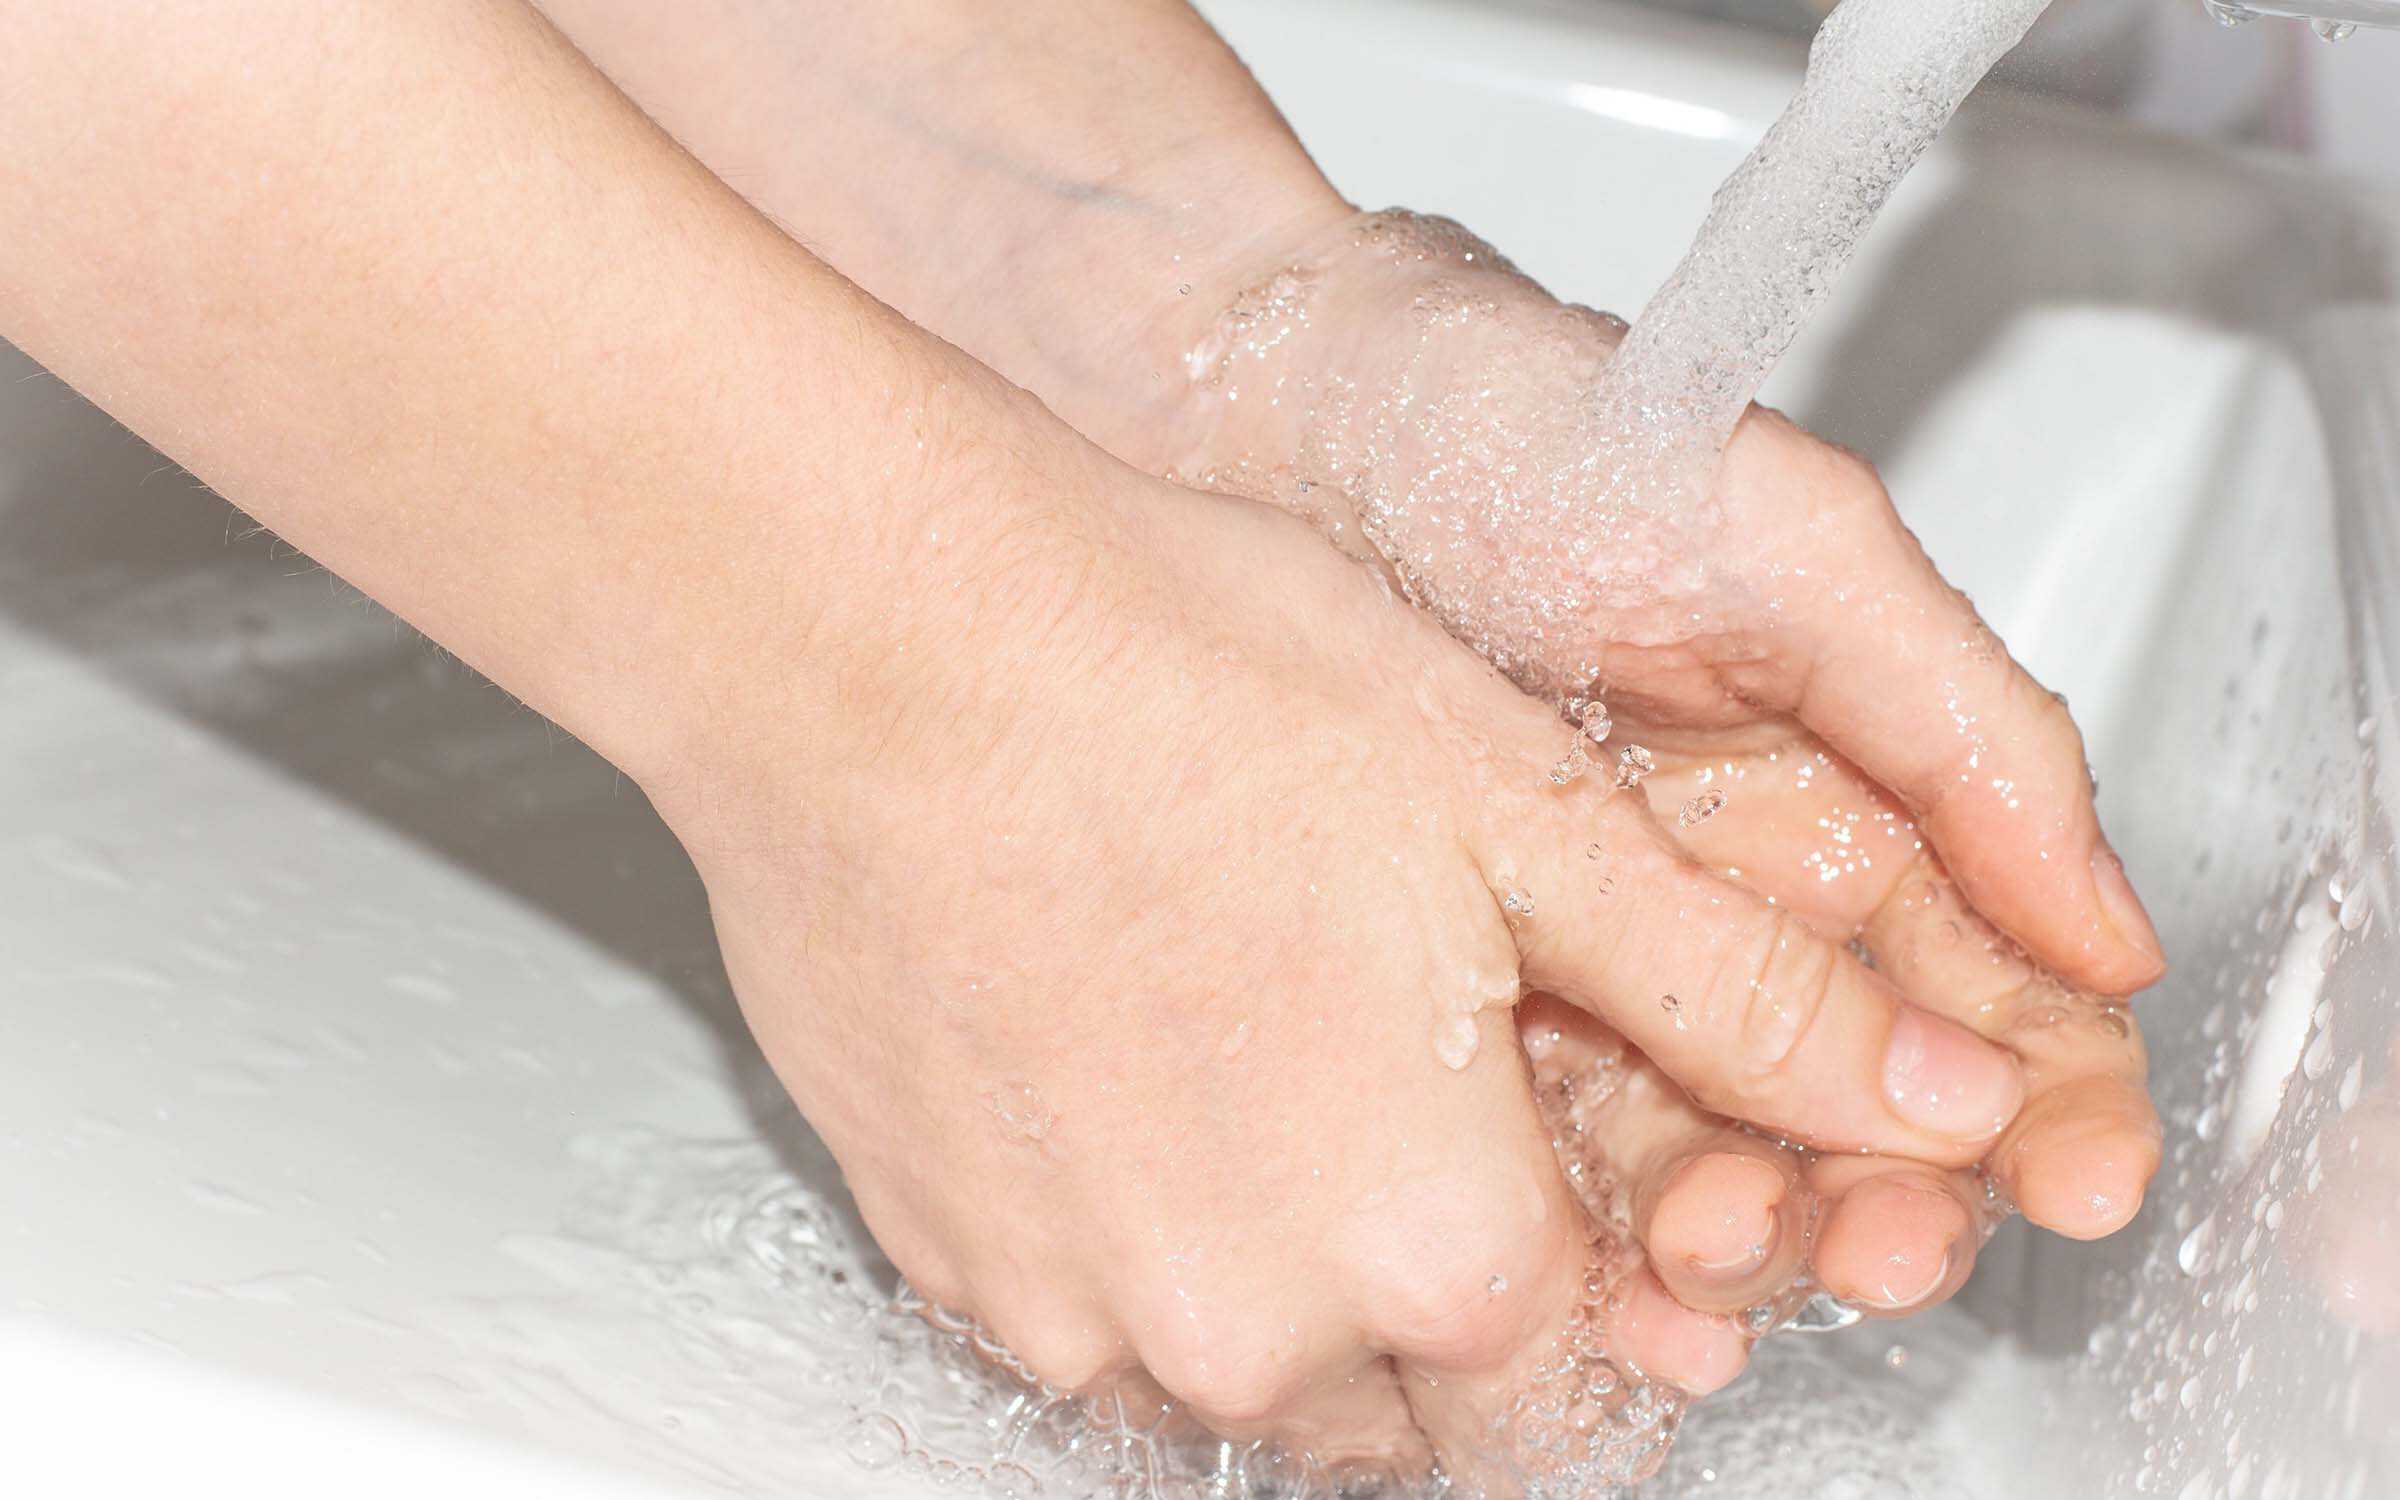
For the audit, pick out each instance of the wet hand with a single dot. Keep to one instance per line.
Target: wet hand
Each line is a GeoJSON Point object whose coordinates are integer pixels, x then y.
{"type": "Point", "coordinates": [1828, 724]}
{"type": "Point", "coordinates": [1142, 924]}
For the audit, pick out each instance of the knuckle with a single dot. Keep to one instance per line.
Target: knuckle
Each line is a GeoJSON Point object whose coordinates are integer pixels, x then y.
{"type": "Point", "coordinates": [1231, 1376]}
{"type": "Point", "coordinates": [1473, 1305]}
{"type": "Point", "coordinates": [1065, 1358]}
{"type": "Point", "coordinates": [2053, 718]}
{"type": "Point", "coordinates": [1782, 989]}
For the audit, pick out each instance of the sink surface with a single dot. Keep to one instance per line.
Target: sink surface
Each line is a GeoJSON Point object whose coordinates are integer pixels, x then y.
{"type": "Point", "coordinates": [373, 1097]}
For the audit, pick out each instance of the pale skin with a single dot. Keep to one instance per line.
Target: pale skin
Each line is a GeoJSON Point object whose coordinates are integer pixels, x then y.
{"type": "Point", "coordinates": [1021, 780]}
{"type": "Point", "coordinates": [1071, 191]}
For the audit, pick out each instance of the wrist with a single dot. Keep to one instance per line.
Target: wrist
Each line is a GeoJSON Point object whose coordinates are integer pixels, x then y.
{"type": "Point", "coordinates": [1362, 353]}
{"type": "Point", "coordinates": [858, 654]}
{"type": "Point", "coordinates": [1107, 300]}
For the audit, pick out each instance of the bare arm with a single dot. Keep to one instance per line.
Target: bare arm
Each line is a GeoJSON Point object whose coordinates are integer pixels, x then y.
{"type": "Point", "coordinates": [1068, 189]}
{"type": "Point", "coordinates": [414, 286]}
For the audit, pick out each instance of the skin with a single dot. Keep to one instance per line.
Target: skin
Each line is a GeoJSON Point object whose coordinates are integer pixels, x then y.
{"type": "Point", "coordinates": [1027, 788]}
{"type": "Point", "coordinates": [1072, 191]}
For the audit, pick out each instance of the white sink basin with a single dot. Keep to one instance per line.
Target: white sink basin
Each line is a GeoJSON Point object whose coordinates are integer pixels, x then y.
{"type": "Point", "coordinates": [373, 1112]}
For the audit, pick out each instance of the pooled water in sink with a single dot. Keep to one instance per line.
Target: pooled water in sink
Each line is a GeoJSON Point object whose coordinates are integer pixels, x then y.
{"type": "Point", "coordinates": [756, 1301]}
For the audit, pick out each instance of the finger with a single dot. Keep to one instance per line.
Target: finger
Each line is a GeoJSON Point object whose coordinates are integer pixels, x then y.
{"type": "Point", "coordinates": [1578, 1408]}
{"type": "Point", "coordinates": [1757, 1017]}
{"type": "Point", "coordinates": [1359, 1422]}
{"type": "Point", "coordinates": [1895, 1237]}
{"type": "Point", "coordinates": [1810, 833]}
{"type": "Point", "coordinates": [2079, 1157]}
{"type": "Point", "coordinates": [1340, 1420]}
{"type": "Point", "coordinates": [1909, 683]}
{"type": "Point", "coordinates": [1723, 1219]}
{"type": "Point", "coordinates": [1720, 1214]}
{"type": "Point", "coordinates": [1507, 1368]}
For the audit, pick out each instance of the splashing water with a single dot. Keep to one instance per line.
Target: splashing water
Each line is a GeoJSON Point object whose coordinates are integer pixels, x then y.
{"type": "Point", "coordinates": [758, 1305]}
{"type": "Point", "coordinates": [1547, 508]}
{"type": "Point", "coordinates": [1884, 76]}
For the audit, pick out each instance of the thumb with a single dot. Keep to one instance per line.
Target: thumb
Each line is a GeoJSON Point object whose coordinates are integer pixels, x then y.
{"type": "Point", "coordinates": [1755, 1014]}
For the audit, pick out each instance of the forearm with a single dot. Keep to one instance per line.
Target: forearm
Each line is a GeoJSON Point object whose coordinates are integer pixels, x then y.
{"type": "Point", "coordinates": [415, 287]}
{"type": "Point", "coordinates": [1070, 190]}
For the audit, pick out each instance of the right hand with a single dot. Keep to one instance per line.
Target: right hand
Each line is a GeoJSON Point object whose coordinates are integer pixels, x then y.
{"type": "Point", "coordinates": [1134, 923]}
{"type": "Point", "coordinates": [1771, 633]}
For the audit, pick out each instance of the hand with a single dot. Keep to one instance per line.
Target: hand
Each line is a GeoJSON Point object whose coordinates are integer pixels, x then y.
{"type": "Point", "coordinates": [1887, 774]}
{"type": "Point", "coordinates": [1143, 931]}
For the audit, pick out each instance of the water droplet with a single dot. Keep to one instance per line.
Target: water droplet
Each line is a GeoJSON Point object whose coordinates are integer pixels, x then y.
{"type": "Point", "coordinates": [1517, 903]}
{"type": "Point", "coordinates": [1634, 763]}
{"type": "Point", "coordinates": [1455, 1041]}
{"type": "Point", "coordinates": [1591, 851]}
{"type": "Point", "coordinates": [1700, 809]}
{"type": "Point", "coordinates": [2191, 1257]}
{"type": "Point", "coordinates": [1496, 1285]}
{"type": "Point", "coordinates": [2318, 1057]}
{"type": "Point", "coordinates": [1823, 1312]}
{"type": "Point", "coordinates": [1235, 1040]}
{"type": "Point", "coordinates": [1674, 1007]}
{"type": "Point", "coordinates": [1591, 717]}
{"type": "Point", "coordinates": [2334, 31]}
{"type": "Point", "coordinates": [1020, 1112]}
{"type": "Point", "coordinates": [1896, 1357]}
{"type": "Point", "coordinates": [2347, 1094]}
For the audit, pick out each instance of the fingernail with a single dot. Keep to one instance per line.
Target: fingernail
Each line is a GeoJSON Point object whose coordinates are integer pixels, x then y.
{"type": "Point", "coordinates": [1727, 1203]}
{"type": "Point", "coordinates": [1941, 1077]}
{"type": "Point", "coordinates": [1904, 1287]}
{"type": "Point", "coordinates": [2122, 908]}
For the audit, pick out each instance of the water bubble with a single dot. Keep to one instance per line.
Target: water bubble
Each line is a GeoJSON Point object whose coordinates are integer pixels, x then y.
{"type": "Point", "coordinates": [1700, 809]}
{"type": "Point", "coordinates": [874, 1441]}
